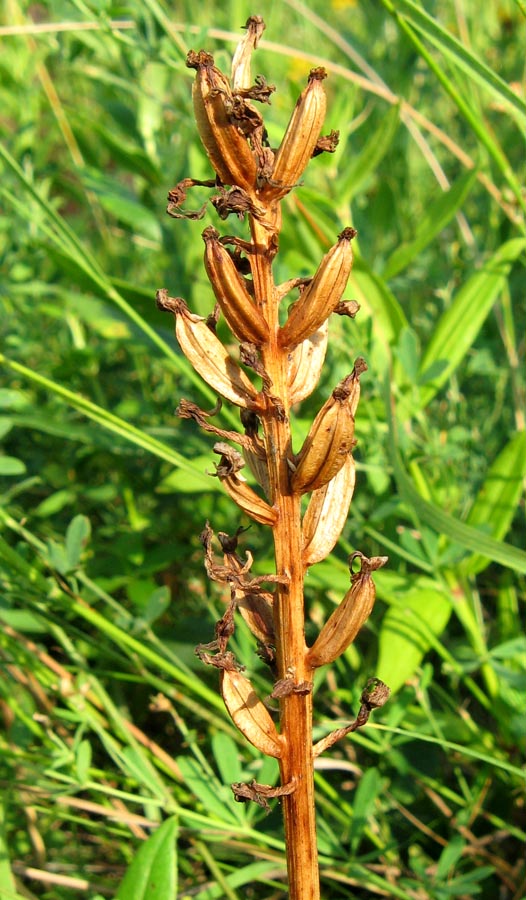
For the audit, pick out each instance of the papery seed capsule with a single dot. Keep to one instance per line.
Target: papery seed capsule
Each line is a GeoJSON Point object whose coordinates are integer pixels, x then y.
{"type": "Point", "coordinates": [256, 610]}
{"type": "Point", "coordinates": [300, 138]}
{"type": "Point", "coordinates": [242, 317]}
{"type": "Point", "coordinates": [305, 364]}
{"type": "Point", "coordinates": [322, 295]}
{"type": "Point", "coordinates": [207, 354]}
{"type": "Point", "coordinates": [238, 488]}
{"type": "Point", "coordinates": [227, 149]}
{"type": "Point", "coordinates": [327, 513]}
{"type": "Point", "coordinates": [331, 436]}
{"type": "Point", "coordinates": [249, 714]}
{"type": "Point", "coordinates": [347, 619]}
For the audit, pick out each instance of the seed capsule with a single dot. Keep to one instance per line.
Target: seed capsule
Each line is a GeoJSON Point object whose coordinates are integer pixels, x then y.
{"type": "Point", "coordinates": [300, 138]}
{"type": "Point", "coordinates": [347, 619]}
{"type": "Point", "coordinates": [322, 295]}
{"type": "Point", "coordinates": [249, 714]}
{"type": "Point", "coordinates": [326, 514]}
{"type": "Point", "coordinates": [207, 354]}
{"type": "Point", "coordinates": [331, 436]}
{"type": "Point", "coordinates": [227, 149]}
{"type": "Point", "coordinates": [242, 317]}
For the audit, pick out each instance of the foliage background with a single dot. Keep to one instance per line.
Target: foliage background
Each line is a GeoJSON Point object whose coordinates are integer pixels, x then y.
{"type": "Point", "coordinates": [111, 726]}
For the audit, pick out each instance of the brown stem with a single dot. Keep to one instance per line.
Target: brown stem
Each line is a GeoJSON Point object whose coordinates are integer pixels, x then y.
{"type": "Point", "coordinates": [289, 615]}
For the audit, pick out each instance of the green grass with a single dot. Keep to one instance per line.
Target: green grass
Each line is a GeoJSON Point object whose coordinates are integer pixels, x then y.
{"type": "Point", "coordinates": [111, 726]}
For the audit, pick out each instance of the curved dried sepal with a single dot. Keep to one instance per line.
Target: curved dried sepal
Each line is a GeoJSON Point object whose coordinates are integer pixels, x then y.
{"type": "Point", "coordinates": [300, 139]}
{"type": "Point", "coordinates": [344, 624]}
{"type": "Point", "coordinates": [255, 27]}
{"type": "Point", "coordinates": [227, 148]}
{"type": "Point", "coordinates": [322, 295]}
{"type": "Point", "coordinates": [236, 486]}
{"type": "Point", "coordinates": [305, 364]}
{"type": "Point", "coordinates": [207, 354]}
{"type": "Point", "coordinates": [326, 514]}
{"type": "Point", "coordinates": [256, 610]}
{"type": "Point", "coordinates": [249, 714]}
{"type": "Point", "coordinates": [237, 306]}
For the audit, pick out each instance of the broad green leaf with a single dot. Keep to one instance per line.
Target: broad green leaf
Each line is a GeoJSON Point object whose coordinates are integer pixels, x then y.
{"type": "Point", "coordinates": [371, 291]}
{"type": "Point", "coordinates": [496, 502]}
{"type": "Point", "coordinates": [406, 632]}
{"type": "Point", "coordinates": [254, 873]}
{"type": "Point", "coordinates": [83, 761]}
{"type": "Point", "coordinates": [10, 465]}
{"type": "Point", "coordinates": [369, 787]}
{"type": "Point", "coordinates": [216, 798]}
{"type": "Point", "coordinates": [153, 873]}
{"type": "Point", "coordinates": [439, 212]}
{"type": "Point", "coordinates": [227, 757]}
{"type": "Point", "coordinates": [460, 324]}
{"type": "Point", "coordinates": [359, 167]}
{"type": "Point", "coordinates": [197, 482]}
{"type": "Point", "coordinates": [122, 204]}
{"type": "Point", "coordinates": [463, 58]}
{"type": "Point", "coordinates": [77, 536]}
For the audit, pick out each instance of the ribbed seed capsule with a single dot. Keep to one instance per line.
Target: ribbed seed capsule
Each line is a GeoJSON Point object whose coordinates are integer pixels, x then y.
{"type": "Point", "coordinates": [327, 513]}
{"type": "Point", "coordinates": [300, 138]}
{"type": "Point", "coordinates": [331, 436]}
{"type": "Point", "coordinates": [227, 149]}
{"type": "Point", "coordinates": [322, 295]}
{"type": "Point", "coordinates": [249, 714]}
{"type": "Point", "coordinates": [242, 317]}
{"type": "Point", "coordinates": [207, 354]}
{"type": "Point", "coordinates": [238, 489]}
{"type": "Point", "coordinates": [305, 364]}
{"type": "Point", "coordinates": [347, 619]}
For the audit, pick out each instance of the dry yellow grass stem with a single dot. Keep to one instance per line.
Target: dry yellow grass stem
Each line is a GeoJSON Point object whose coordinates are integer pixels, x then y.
{"type": "Point", "coordinates": [250, 181]}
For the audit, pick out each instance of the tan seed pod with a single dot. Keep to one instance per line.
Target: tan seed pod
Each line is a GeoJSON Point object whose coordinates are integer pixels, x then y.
{"type": "Point", "coordinates": [322, 295]}
{"type": "Point", "coordinates": [299, 141]}
{"type": "Point", "coordinates": [331, 436]}
{"type": "Point", "coordinates": [227, 149]}
{"type": "Point", "coordinates": [242, 317]}
{"type": "Point", "coordinates": [256, 610]}
{"type": "Point", "coordinates": [255, 27]}
{"type": "Point", "coordinates": [249, 714]}
{"type": "Point", "coordinates": [207, 354]}
{"type": "Point", "coordinates": [327, 513]}
{"type": "Point", "coordinates": [345, 622]}
{"type": "Point", "coordinates": [238, 488]}
{"type": "Point", "coordinates": [305, 364]}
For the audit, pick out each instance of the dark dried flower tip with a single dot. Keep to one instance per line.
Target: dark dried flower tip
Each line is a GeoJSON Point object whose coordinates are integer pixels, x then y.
{"type": "Point", "coordinates": [347, 308]}
{"type": "Point", "coordinates": [347, 234]}
{"type": "Point", "coordinates": [317, 74]}
{"type": "Point", "coordinates": [327, 143]}
{"type": "Point", "coordinates": [375, 694]}
{"type": "Point", "coordinates": [231, 460]}
{"type": "Point", "coordinates": [169, 304]}
{"type": "Point", "coordinates": [366, 565]}
{"type": "Point", "coordinates": [197, 59]}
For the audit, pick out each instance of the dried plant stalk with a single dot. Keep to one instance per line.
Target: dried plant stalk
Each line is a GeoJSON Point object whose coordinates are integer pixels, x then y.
{"type": "Point", "coordinates": [251, 180]}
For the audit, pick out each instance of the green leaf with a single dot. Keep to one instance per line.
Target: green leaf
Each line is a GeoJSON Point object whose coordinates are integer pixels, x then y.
{"type": "Point", "coordinates": [407, 630]}
{"type": "Point", "coordinates": [77, 536]}
{"type": "Point", "coordinates": [226, 755]}
{"type": "Point", "coordinates": [10, 465]}
{"type": "Point", "coordinates": [461, 56]}
{"type": "Point", "coordinates": [359, 167]}
{"type": "Point", "coordinates": [438, 214]}
{"type": "Point", "coordinates": [153, 873]}
{"type": "Point", "coordinates": [371, 291]}
{"type": "Point", "coordinates": [216, 798]}
{"type": "Point", "coordinates": [364, 800]}
{"type": "Point", "coordinates": [497, 500]}
{"type": "Point", "coordinates": [123, 205]}
{"type": "Point", "coordinates": [460, 324]}
{"type": "Point", "coordinates": [83, 761]}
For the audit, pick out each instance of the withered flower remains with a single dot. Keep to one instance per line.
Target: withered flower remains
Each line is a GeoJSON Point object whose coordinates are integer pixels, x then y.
{"type": "Point", "coordinates": [285, 359]}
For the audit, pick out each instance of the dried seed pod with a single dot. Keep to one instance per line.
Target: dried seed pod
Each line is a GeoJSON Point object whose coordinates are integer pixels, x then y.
{"type": "Point", "coordinates": [305, 364]}
{"type": "Point", "coordinates": [322, 295]}
{"type": "Point", "coordinates": [326, 514]}
{"type": "Point", "coordinates": [237, 487]}
{"type": "Point", "coordinates": [227, 149]}
{"type": "Point", "coordinates": [331, 436]}
{"type": "Point", "coordinates": [301, 136]}
{"type": "Point", "coordinates": [255, 27]}
{"type": "Point", "coordinates": [249, 714]}
{"type": "Point", "coordinates": [344, 624]}
{"type": "Point", "coordinates": [242, 317]}
{"type": "Point", "coordinates": [207, 354]}
{"type": "Point", "coordinates": [256, 610]}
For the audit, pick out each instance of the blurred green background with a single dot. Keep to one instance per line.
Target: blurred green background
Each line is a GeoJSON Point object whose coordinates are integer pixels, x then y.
{"type": "Point", "coordinates": [111, 724]}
